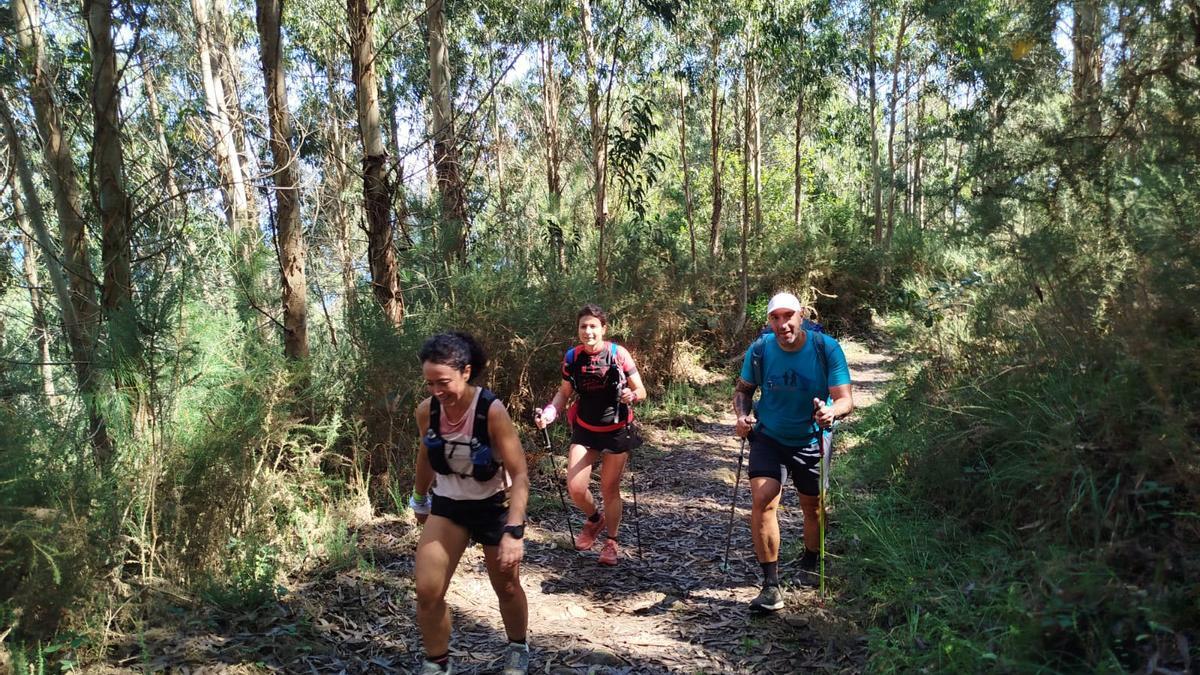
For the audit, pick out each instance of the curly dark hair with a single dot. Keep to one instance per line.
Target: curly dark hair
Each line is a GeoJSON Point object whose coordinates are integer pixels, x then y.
{"type": "Point", "coordinates": [457, 350]}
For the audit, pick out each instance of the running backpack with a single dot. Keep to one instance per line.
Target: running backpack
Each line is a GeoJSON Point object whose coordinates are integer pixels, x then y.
{"type": "Point", "coordinates": [483, 462]}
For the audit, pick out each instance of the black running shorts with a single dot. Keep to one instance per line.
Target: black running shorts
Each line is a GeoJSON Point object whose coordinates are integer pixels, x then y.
{"type": "Point", "coordinates": [613, 442]}
{"type": "Point", "coordinates": [771, 459]}
{"type": "Point", "coordinates": [484, 519]}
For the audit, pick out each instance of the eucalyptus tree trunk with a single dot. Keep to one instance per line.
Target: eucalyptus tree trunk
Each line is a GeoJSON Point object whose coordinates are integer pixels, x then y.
{"type": "Point", "coordinates": [683, 160]}
{"type": "Point", "coordinates": [714, 132]}
{"type": "Point", "coordinates": [598, 136]}
{"type": "Point", "coordinates": [392, 102]}
{"type": "Point", "coordinates": [75, 289]}
{"type": "Point", "coordinates": [226, 65]}
{"type": "Point", "coordinates": [893, 106]}
{"type": "Point", "coordinates": [226, 153]}
{"type": "Point", "coordinates": [754, 135]}
{"type": "Point", "coordinates": [337, 180]}
{"type": "Point", "coordinates": [445, 140]}
{"type": "Point", "coordinates": [919, 164]}
{"type": "Point", "coordinates": [37, 305]}
{"type": "Point", "coordinates": [160, 135]}
{"type": "Point", "coordinates": [876, 195]}
{"type": "Point", "coordinates": [551, 99]}
{"type": "Point", "coordinates": [381, 255]}
{"type": "Point", "coordinates": [41, 327]}
{"type": "Point", "coordinates": [498, 140]}
{"type": "Point", "coordinates": [797, 165]}
{"type": "Point", "coordinates": [1087, 63]}
{"type": "Point", "coordinates": [747, 168]}
{"type": "Point", "coordinates": [294, 287]}
{"type": "Point", "coordinates": [112, 200]}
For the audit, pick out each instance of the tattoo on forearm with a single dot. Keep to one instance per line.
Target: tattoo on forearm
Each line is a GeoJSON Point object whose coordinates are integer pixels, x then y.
{"type": "Point", "coordinates": [743, 397]}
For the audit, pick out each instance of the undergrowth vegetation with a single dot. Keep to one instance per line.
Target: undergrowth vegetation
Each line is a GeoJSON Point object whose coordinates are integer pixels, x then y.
{"type": "Point", "coordinates": [1027, 498]}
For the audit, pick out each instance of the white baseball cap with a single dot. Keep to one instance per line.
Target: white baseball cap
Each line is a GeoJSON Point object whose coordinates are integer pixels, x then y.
{"type": "Point", "coordinates": [783, 301]}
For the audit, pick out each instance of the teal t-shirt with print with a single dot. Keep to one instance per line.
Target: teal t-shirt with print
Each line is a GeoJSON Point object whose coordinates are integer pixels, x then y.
{"type": "Point", "coordinates": [791, 380]}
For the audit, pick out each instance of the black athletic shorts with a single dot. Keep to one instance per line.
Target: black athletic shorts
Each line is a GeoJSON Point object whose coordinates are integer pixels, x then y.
{"type": "Point", "coordinates": [771, 459]}
{"type": "Point", "coordinates": [613, 442]}
{"type": "Point", "coordinates": [484, 519]}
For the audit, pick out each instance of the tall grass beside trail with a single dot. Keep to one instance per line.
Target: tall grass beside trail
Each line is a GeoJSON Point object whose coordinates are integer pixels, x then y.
{"type": "Point", "coordinates": [1029, 502]}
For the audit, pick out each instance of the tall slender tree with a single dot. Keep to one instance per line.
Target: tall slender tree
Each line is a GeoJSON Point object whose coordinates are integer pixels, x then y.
{"type": "Point", "coordinates": [714, 132]}
{"type": "Point", "coordinates": [293, 283]}
{"type": "Point", "coordinates": [75, 288]}
{"type": "Point", "coordinates": [377, 198]}
{"type": "Point", "coordinates": [112, 198]}
{"type": "Point", "coordinates": [445, 141]}
{"type": "Point", "coordinates": [597, 128]}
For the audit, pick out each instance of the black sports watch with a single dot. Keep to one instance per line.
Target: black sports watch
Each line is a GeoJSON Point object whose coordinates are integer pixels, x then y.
{"type": "Point", "coordinates": [517, 531]}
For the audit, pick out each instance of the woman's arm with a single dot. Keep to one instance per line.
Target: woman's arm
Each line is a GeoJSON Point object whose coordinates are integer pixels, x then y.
{"type": "Point", "coordinates": [634, 389]}
{"type": "Point", "coordinates": [507, 445]}
{"type": "Point", "coordinates": [561, 398]}
{"type": "Point", "coordinates": [424, 472]}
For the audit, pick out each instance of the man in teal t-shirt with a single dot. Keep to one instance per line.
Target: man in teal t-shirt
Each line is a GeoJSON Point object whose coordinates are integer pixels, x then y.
{"type": "Point", "coordinates": [803, 391]}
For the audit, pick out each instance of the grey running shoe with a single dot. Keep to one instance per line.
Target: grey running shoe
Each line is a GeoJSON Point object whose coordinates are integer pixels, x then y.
{"type": "Point", "coordinates": [770, 599]}
{"type": "Point", "coordinates": [431, 668]}
{"type": "Point", "coordinates": [516, 659]}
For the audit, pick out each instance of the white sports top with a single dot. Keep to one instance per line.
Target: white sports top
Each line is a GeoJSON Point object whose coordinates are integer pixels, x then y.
{"type": "Point", "coordinates": [460, 484]}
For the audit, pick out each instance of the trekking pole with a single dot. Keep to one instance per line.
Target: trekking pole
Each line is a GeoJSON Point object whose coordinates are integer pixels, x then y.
{"type": "Point", "coordinates": [637, 522]}
{"type": "Point", "coordinates": [733, 504]}
{"type": "Point", "coordinates": [562, 497]}
{"type": "Point", "coordinates": [826, 457]}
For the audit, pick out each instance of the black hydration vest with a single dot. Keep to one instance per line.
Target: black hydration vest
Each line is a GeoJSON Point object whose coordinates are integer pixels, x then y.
{"type": "Point", "coordinates": [483, 462]}
{"type": "Point", "coordinates": [614, 377]}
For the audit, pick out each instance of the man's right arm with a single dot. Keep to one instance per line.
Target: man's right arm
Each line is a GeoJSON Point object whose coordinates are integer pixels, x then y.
{"type": "Point", "coordinates": [743, 406]}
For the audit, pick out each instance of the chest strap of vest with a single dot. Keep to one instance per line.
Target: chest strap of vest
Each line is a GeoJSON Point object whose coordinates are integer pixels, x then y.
{"type": "Point", "coordinates": [483, 462]}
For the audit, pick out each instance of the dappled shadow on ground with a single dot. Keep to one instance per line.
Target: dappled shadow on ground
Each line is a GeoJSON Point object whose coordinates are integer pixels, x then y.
{"type": "Point", "coordinates": [673, 609]}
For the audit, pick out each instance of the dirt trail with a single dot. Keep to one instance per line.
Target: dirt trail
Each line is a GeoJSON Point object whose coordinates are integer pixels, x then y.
{"type": "Point", "coordinates": [672, 609]}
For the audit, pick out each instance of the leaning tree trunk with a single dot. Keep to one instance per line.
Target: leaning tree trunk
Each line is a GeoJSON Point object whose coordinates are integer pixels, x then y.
{"type": "Point", "coordinates": [598, 136]}
{"type": "Point", "coordinates": [160, 134]}
{"type": "Point", "coordinates": [381, 254]}
{"type": "Point", "coordinates": [226, 154]}
{"type": "Point", "coordinates": [75, 290]}
{"type": "Point", "coordinates": [445, 140]}
{"type": "Point", "coordinates": [37, 305]}
{"type": "Point", "coordinates": [225, 64]}
{"type": "Point", "coordinates": [294, 288]}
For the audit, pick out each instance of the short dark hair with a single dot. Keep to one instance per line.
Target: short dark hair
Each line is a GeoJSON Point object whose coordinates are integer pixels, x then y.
{"type": "Point", "coordinates": [457, 350]}
{"type": "Point", "coordinates": [592, 309]}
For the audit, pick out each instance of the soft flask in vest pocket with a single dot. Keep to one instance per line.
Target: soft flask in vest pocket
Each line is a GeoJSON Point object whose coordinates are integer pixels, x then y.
{"type": "Point", "coordinates": [483, 467]}
{"type": "Point", "coordinates": [433, 442]}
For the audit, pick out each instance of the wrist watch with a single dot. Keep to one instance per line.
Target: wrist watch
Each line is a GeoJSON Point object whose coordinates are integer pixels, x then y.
{"type": "Point", "coordinates": [517, 531]}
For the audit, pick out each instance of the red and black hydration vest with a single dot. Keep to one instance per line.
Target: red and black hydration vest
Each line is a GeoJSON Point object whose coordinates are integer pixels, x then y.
{"type": "Point", "coordinates": [483, 462]}
{"type": "Point", "coordinates": [598, 380]}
